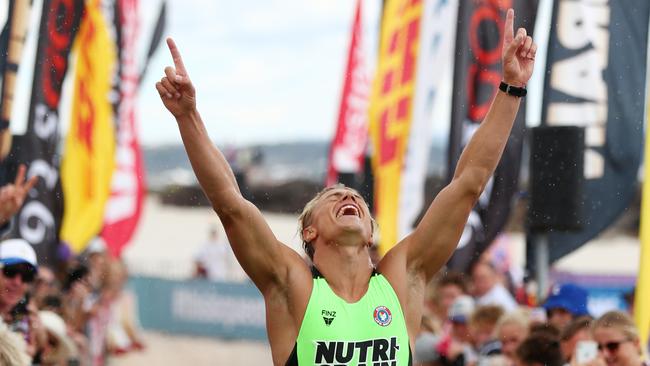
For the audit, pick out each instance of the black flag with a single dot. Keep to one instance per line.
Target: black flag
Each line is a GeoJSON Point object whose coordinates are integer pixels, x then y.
{"type": "Point", "coordinates": [477, 74]}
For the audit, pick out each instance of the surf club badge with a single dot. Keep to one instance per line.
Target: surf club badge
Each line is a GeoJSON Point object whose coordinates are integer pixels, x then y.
{"type": "Point", "coordinates": [382, 316]}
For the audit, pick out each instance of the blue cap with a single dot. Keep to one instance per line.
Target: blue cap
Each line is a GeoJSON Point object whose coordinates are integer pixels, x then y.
{"type": "Point", "coordinates": [569, 297]}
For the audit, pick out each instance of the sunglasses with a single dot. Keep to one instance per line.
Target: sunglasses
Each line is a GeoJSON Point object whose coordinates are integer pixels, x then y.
{"type": "Point", "coordinates": [611, 346]}
{"type": "Point", "coordinates": [26, 273]}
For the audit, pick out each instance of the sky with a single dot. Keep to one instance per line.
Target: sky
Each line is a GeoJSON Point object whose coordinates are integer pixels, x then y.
{"type": "Point", "coordinates": [265, 71]}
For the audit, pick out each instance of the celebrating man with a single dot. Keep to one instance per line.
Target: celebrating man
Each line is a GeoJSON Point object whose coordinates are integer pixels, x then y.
{"type": "Point", "coordinates": [344, 311]}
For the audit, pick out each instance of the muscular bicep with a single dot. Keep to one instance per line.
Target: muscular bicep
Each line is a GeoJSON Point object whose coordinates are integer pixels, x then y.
{"type": "Point", "coordinates": [435, 238]}
{"type": "Point", "coordinates": [262, 256]}
{"type": "Point", "coordinates": [421, 254]}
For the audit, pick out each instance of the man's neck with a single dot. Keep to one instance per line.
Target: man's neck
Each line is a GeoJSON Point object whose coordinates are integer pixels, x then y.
{"type": "Point", "coordinates": [346, 269]}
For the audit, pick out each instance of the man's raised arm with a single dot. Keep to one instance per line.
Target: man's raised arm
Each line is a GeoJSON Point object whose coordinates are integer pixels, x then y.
{"type": "Point", "coordinates": [261, 255]}
{"type": "Point", "coordinates": [436, 237]}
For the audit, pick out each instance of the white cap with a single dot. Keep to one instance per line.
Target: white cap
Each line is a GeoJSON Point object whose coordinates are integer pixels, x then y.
{"type": "Point", "coordinates": [461, 309]}
{"type": "Point", "coordinates": [55, 325]}
{"type": "Point", "coordinates": [14, 251]}
{"type": "Point", "coordinates": [97, 245]}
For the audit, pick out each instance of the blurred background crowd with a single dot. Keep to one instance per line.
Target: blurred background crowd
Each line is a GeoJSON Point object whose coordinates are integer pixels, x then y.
{"type": "Point", "coordinates": [78, 313]}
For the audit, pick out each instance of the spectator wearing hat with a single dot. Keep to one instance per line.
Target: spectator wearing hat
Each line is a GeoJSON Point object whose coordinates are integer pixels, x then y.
{"type": "Point", "coordinates": [455, 349]}
{"type": "Point", "coordinates": [19, 267]}
{"type": "Point", "coordinates": [96, 257]}
{"type": "Point", "coordinates": [439, 296]}
{"type": "Point", "coordinates": [565, 303]}
{"type": "Point", "coordinates": [59, 349]}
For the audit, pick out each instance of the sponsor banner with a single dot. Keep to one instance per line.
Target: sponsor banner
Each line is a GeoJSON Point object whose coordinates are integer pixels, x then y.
{"type": "Point", "coordinates": [18, 20]}
{"type": "Point", "coordinates": [391, 108]}
{"type": "Point", "coordinates": [596, 80]}
{"type": "Point", "coordinates": [642, 295]}
{"type": "Point", "coordinates": [124, 206]}
{"type": "Point", "coordinates": [89, 154]}
{"type": "Point", "coordinates": [349, 144]}
{"type": "Point", "coordinates": [438, 26]}
{"type": "Point", "coordinates": [477, 75]}
{"type": "Point", "coordinates": [39, 220]}
{"type": "Point", "coordinates": [216, 309]}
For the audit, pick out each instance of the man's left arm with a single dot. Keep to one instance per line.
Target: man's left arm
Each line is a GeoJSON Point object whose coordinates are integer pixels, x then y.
{"type": "Point", "coordinates": [420, 255]}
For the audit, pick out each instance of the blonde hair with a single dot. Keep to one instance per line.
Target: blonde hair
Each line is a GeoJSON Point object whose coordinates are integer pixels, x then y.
{"type": "Point", "coordinates": [517, 317]}
{"type": "Point", "coordinates": [617, 320]}
{"type": "Point", "coordinates": [305, 217]}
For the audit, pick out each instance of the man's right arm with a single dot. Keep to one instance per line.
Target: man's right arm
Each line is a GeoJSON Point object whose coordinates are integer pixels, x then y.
{"type": "Point", "coordinates": [261, 255]}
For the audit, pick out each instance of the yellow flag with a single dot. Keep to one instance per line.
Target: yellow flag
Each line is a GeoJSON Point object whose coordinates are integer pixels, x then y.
{"type": "Point", "coordinates": [642, 292]}
{"type": "Point", "coordinates": [89, 154]}
{"type": "Point", "coordinates": [391, 107]}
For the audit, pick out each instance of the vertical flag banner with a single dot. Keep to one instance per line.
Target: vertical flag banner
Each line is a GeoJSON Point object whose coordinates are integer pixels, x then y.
{"type": "Point", "coordinates": [438, 26]}
{"type": "Point", "coordinates": [391, 108]}
{"type": "Point", "coordinates": [39, 220]}
{"type": "Point", "coordinates": [596, 75]}
{"type": "Point", "coordinates": [124, 206]}
{"type": "Point", "coordinates": [642, 291]}
{"type": "Point", "coordinates": [18, 19]}
{"type": "Point", "coordinates": [349, 144]}
{"type": "Point", "coordinates": [477, 74]}
{"type": "Point", "coordinates": [89, 155]}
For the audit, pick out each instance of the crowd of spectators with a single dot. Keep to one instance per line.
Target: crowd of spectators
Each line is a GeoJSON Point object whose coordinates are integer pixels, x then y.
{"type": "Point", "coordinates": [79, 314]}
{"type": "Point", "coordinates": [473, 319]}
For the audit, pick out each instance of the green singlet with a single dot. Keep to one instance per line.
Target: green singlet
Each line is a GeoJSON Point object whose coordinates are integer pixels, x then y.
{"type": "Point", "coordinates": [370, 332]}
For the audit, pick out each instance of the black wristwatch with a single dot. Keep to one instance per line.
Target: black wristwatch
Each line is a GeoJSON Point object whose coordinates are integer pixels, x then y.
{"type": "Point", "coordinates": [513, 90]}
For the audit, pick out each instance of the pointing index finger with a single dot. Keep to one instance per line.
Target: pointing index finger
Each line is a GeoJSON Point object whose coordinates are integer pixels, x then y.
{"type": "Point", "coordinates": [176, 56]}
{"type": "Point", "coordinates": [509, 29]}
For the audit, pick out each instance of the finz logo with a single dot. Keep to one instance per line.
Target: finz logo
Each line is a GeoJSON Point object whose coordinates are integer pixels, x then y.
{"type": "Point", "coordinates": [328, 316]}
{"type": "Point", "coordinates": [382, 316]}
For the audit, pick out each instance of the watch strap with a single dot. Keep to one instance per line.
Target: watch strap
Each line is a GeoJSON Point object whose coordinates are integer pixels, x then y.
{"type": "Point", "coordinates": [515, 91]}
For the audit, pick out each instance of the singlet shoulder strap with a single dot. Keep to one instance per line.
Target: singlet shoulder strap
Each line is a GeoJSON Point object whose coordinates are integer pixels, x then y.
{"type": "Point", "coordinates": [315, 273]}
{"type": "Point", "coordinates": [293, 358]}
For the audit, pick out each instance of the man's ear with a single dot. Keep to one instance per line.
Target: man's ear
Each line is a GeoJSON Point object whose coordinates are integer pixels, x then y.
{"type": "Point", "coordinates": [309, 233]}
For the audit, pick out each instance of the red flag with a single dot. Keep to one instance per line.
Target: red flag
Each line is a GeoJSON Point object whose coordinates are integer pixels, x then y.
{"type": "Point", "coordinates": [349, 143]}
{"type": "Point", "coordinates": [127, 188]}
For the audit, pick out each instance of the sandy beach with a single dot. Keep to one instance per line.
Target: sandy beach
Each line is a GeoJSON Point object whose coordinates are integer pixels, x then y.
{"type": "Point", "coordinates": [167, 350]}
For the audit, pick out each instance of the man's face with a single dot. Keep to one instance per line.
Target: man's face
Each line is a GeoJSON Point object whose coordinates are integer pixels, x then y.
{"type": "Point", "coordinates": [342, 211]}
{"type": "Point", "coordinates": [559, 317]}
{"type": "Point", "coordinates": [483, 278]}
{"type": "Point", "coordinates": [447, 294]}
{"type": "Point", "coordinates": [14, 283]}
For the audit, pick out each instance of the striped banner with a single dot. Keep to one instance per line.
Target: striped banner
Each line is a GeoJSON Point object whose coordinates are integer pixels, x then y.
{"type": "Point", "coordinates": [39, 219]}
{"type": "Point", "coordinates": [435, 56]}
{"type": "Point", "coordinates": [89, 154]}
{"type": "Point", "coordinates": [391, 107]}
{"type": "Point", "coordinates": [642, 292]}
{"type": "Point", "coordinates": [124, 206]}
{"type": "Point", "coordinates": [349, 144]}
